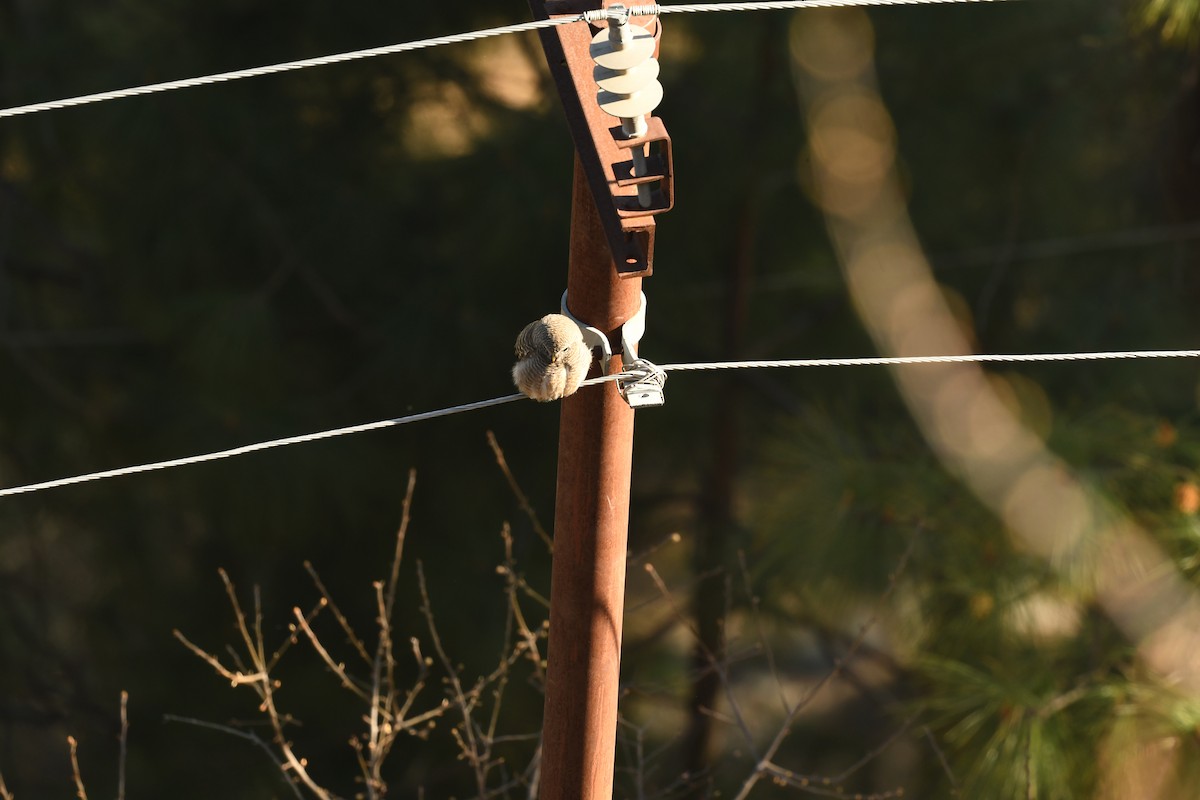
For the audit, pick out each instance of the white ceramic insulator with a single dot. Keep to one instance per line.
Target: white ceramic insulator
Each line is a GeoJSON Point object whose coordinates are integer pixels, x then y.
{"type": "Point", "coordinates": [626, 81]}
{"type": "Point", "coordinates": [637, 47]}
{"type": "Point", "coordinates": [626, 73]}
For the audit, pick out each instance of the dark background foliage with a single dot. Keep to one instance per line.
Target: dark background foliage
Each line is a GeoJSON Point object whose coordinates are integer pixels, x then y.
{"type": "Point", "coordinates": [202, 269]}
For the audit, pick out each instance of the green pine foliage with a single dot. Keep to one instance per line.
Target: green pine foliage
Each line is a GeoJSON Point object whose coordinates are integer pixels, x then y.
{"type": "Point", "coordinates": [1178, 20]}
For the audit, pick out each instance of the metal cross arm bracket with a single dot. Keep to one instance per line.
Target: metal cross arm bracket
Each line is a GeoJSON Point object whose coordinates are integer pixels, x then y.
{"type": "Point", "coordinates": [657, 173]}
{"type": "Point", "coordinates": [628, 166]}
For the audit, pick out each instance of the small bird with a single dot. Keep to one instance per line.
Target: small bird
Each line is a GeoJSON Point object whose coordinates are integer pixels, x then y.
{"type": "Point", "coordinates": [552, 359]}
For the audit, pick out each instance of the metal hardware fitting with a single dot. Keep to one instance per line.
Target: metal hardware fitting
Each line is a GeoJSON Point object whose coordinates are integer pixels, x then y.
{"type": "Point", "coordinates": [606, 155]}
{"type": "Point", "coordinates": [643, 386]}
{"type": "Point", "coordinates": [626, 75]}
{"type": "Point", "coordinates": [631, 333]}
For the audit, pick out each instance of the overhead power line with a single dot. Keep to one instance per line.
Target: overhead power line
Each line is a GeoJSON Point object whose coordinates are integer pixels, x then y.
{"type": "Point", "coordinates": [287, 66]}
{"type": "Point", "coordinates": [890, 361]}
{"type": "Point", "coordinates": [437, 41]}
{"type": "Point", "coordinates": [254, 448]}
{"type": "Point", "coordinates": [688, 367]}
{"type": "Point", "coordinates": [787, 5]}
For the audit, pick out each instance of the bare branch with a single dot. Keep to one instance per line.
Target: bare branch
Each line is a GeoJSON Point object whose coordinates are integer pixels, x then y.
{"type": "Point", "coordinates": [877, 751]}
{"type": "Point", "coordinates": [249, 736]}
{"type": "Point", "coordinates": [235, 678]}
{"type": "Point", "coordinates": [338, 615]}
{"type": "Point", "coordinates": [238, 614]}
{"type": "Point", "coordinates": [673, 538]}
{"type": "Point", "coordinates": [764, 764]}
{"type": "Point", "coordinates": [261, 682]}
{"type": "Point", "coordinates": [400, 536]}
{"type": "Point", "coordinates": [1062, 701]}
{"type": "Point", "coordinates": [374, 779]}
{"type": "Point", "coordinates": [419, 683]}
{"type": "Point", "coordinates": [941, 757]}
{"type": "Point", "coordinates": [507, 652]}
{"type": "Point", "coordinates": [388, 706]}
{"type": "Point", "coordinates": [694, 580]}
{"type": "Point", "coordinates": [124, 743]}
{"type": "Point", "coordinates": [80, 792]}
{"type": "Point", "coordinates": [381, 727]}
{"type": "Point", "coordinates": [291, 640]}
{"type": "Point", "coordinates": [292, 761]}
{"type": "Point", "coordinates": [336, 668]}
{"type": "Point", "coordinates": [714, 663]}
{"type": "Point", "coordinates": [512, 582]}
{"type": "Point", "coordinates": [764, 643]}
{"type": "Point", "coordinates": [522, 500]}
{"type": "Point", "coordinates": [534, 772]}
{"type": "Point", "coordinates": [260, 648]}
{"type": "Point", "coordinates": [464, 734]}
{"type": "Point", "coordinates": [823, 786]}
{"type": "Point", "coordinates": [1031, 784]}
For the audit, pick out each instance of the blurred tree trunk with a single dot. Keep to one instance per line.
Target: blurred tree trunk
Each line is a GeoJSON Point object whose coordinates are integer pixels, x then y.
{"type": "Point", "coordinates": [1181, 159]}
{"type": "Point", "coordinates": [718, 529]}
{"type": "Point", "coordinates": [718, 518]}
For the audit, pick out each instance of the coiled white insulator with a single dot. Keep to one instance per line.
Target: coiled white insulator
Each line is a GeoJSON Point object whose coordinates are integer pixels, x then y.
{"type": "Point", "coordinates": [626, 74]}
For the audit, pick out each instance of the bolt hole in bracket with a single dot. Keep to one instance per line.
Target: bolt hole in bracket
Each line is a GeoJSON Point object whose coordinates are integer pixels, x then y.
{"type": "Point", "coordinates": [628, 166]}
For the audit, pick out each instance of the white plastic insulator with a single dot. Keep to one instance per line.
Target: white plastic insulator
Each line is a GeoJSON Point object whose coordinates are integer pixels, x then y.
{"type": "Point", "coordinates": [626, 73]}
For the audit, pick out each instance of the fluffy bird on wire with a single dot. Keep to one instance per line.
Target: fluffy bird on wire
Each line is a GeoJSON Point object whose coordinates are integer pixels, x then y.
{"type": "Point", "coordinates": [552, 359]}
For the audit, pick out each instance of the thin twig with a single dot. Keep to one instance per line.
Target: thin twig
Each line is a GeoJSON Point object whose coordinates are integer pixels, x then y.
{"type": "Point", "coordinates": [468, 741]}
{"type": "Point", "coordinates": [517, 737]}
{"type": "Point", "coordinates": [511, 583]}
{"type": "Point", "coordinates": [875, 753]}
{"type": "Point", "coordinates": [254, 738]}
{"type": "Point", "coordinates": [824, 787]}
{"type": "Point", "coordinates": [764, 764]}
{"type": "Point", "coordinates": [1031, 788]}
{"type": "Point", "coordinates": [5, 794]}
{"type": "Point", "coordinates": [522, 500]}
{"type": "Point", "coordinates": [293, 639]}
{"type": "Point", "coordinates": [336, 668]}
{"type": "Point", "coordinates": [80, 792]}
{"type": "Point", "coordinates": [351, 636]}
{"type": "Point", "coordinates": [261, 682]}
{"type": "Point", "coordinates": [260, 648]}
{"type": "Point", "coordinates": [637, 757]}
{"type": "Point", "coordinates": [124, 743]}
{"type": "Point", "coordinates": [534, 772]}
{"type": "Point", "coordinates": [266, 689]}
{"type": "Point", "coordinates": [694, 580]}
{"type": "Point", "coordinates": [401, 534]}
{"type": "Point", "coordinates": [763, 641]}
{"type": "Point", "coordinates": [239, 615]}
{"type": "Point", "coordinates": [941, 757]}
{"type": "Point", "coordinates": [1062, 701]}
{"type": "Point", "coordinates": [374, 744]}
{"type": "Point", "coordinates": [510, 622]}
{"type": "Point", "coordinates": [722, 673]}
{"type": "Point", "coordinates": [418, 685]}
{"type": "Point", "coordinates": [673, 538]}
{"type": "Point", "coordinates": [236, 678]}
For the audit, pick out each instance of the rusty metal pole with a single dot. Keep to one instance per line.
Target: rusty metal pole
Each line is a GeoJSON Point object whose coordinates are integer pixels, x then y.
{"type": "Point", "coordinates": [591, 518]}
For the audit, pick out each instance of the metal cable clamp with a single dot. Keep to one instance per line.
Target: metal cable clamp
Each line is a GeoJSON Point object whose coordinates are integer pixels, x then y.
{"type": "Point", "coordinates": [641, 382]}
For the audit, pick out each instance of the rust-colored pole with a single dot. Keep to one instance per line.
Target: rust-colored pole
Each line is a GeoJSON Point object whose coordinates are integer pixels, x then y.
{"type": "Point", "coordinates": [591, 520]}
